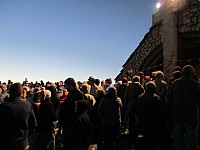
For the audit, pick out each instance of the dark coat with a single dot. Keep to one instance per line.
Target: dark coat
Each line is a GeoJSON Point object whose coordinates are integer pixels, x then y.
{"type": "Point", "coordinates": [185, 100]}
{"type": "Point", "coordinates": [149, 107]}
{"type": "Point", "coordinates": [149, 111]}
{"type": "Point", "coordinates": [121, 91]}
{"type": "Point", "coordinates": [67, 114]}
{"type": "Point", "coordinates": [132, 92]}
{"type": "Point", "coordinates": [110, 110]}
{"type": "Point", "coordinates": [17, 121]}
{"type": "Point", "coordinates": [83, 131]}
{"type": "Point", "coordinates": [46, 115]}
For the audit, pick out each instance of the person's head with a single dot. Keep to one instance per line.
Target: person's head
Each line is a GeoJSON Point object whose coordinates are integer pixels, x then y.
{"type": "Point", "coordinates": [37, 97]}
{"type": "Point", "coordinates": [91, 80]}
{"type": "Point", "coordinates": [24, 93]}
{"type": "Point", "coordinates": [85, 89]}
{"type": "Point", "coordinates": [141, 74]}
{"type": "Point", "coordinates": [4, 87]}
{"type": "Point", "coordinates": [47, 94]}
{"type": "Point", "coordinates": [178, 68]}
{"type": "Point", "coordinates": [29, 94]}
{"type": "Point", "coordinates": [136, 79]}
{"type": "Point", "coordinates": [119, 82]}
{"type": "Point", "coordinates": [177, 74]}
{"type": "Point", "coordinates": [147, 78]}
{"type": "Point", "coordinates": [79, 84]}
{"type": "Point", "coordinates": [1, 90]}
{"type": "Point", "coordinates": [188, 71]}
{"type": "Point", "coordinates": [103, 83]}
{"type": "Point", "coordinates": [97, 82]}
{"type": "Point", "coordinates": [15, 90]}
{"type": "Point", "coordinates": [70, 84]}
{"type": "Point", "coordinates": [65, 92]}
{"type": "Point", "coordinates": [108, 81]}
{"type": "Point", "coordinates": [124, 80]}
{"type": "Point", "coordinates": [112, 91]}
{"type": "Point", "coordinates": [160, 75]}
{"type": "Point", "coordinates": [151, 87]}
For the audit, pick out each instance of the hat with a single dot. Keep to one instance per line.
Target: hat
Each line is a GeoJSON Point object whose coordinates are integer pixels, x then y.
{"type": "Point", "coordinates": [147, 78]}
{"type": "Point", "coordinates": [91, 78]}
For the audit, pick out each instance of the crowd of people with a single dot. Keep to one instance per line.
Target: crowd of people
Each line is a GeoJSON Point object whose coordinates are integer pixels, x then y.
{"type": "Point", "coordinates": [143, 111]}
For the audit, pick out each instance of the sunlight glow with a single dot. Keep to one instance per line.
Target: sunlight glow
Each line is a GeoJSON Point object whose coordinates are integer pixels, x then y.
{"type": "Point", "coordinates": [158, 5]}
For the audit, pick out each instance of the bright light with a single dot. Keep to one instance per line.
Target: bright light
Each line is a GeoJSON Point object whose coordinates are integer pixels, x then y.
{"type": "Point", "coordinates": [158, 5]}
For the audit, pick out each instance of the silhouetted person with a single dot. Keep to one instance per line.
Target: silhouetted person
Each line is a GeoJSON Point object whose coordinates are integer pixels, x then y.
{"type": "Point", "coordinates": [45, 128]}
{"type": "Point", "coordinates": [133, 90]}
{"type": "Point", "coordinates": [109, 111]}
{"type": "Point", "coordinates": [83, 132]}
{"type": "Point", "coordinates": [67, 113]}
{"type": "Point", "coordinates": [185, 101]}
{"type": "Point", "coordinates": [17, 121]}
{"type": "Point", "coordinates": [149, 116]}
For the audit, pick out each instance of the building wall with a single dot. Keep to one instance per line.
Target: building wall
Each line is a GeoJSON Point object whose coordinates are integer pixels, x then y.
{"type": "Point", "coordinates": [171, 24]}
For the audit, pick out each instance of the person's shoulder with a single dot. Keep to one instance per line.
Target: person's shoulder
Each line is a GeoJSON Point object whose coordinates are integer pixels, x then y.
{"type": "Point", "coordinates": [89, 96]}
{"type": "Point", "coordinates": [163, 82]}
{"type": "Point", "coordinates": [118, 99]}
{"type": "Point", "coordinates": [25, 102]}
{"type": "Point", "coordinates": [141, 96]}
{"type": "Point", "coordinates": [157, 97]}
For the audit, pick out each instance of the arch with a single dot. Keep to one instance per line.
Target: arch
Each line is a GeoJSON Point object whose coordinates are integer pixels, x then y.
{"type": "Point", "coordinates": [153, 62]}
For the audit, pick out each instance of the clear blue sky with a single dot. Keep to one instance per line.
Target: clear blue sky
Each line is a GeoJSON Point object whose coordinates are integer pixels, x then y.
{"type": "Point", "coordinates": [52, 40]}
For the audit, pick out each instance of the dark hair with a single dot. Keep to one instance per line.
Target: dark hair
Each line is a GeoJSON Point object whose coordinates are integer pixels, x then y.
{"type": "Point", "coordinates": [37, 97]}
{"type": "Point", "coordinates": [177, 74]}
{"type": "Point", "coordinates": [15, 90]}
{"type": "Point", "coordinates": [97, 81]}
{"type": "Point", "coordinates": [70, 81]}
{"type": "Point", "coordinates": [151, 87]}
{"type": "Point", "coordinates": [159, 74]}
{"type": "Point", "coordinates": [136, 79]}
{"type": "Point", "coordinates": [188, 70]}
{"type": "Point", "coordinates": [108, 80]}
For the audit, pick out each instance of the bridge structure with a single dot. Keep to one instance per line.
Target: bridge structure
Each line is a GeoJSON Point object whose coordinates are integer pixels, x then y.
{"type": "Point", "coordinates": [173, 39]}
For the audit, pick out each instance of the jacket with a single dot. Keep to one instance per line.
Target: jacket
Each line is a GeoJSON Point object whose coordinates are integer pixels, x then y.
{"type": "Point", "coordinates": [110, 110]}
{"type": "Point", "coordinates": [17, 121]}
{"type": "Point", "coordinates": [185, 100]}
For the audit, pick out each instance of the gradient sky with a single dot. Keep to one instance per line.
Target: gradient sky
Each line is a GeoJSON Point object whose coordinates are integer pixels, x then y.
{"type": "Point", "coordinates": [52, 40]}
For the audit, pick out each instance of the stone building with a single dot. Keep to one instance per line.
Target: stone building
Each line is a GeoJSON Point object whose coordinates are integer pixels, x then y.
{"type": "Point", "coordinates": [173, 39]}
